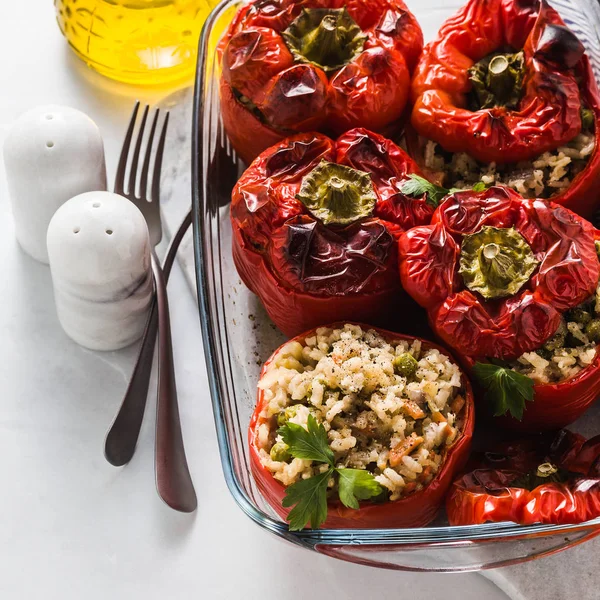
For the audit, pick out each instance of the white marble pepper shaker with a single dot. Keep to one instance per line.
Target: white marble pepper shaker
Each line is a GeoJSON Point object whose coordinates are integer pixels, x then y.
{"type": "Point", "coordinates": [51, 154]}
{"type": "Point", "coordinates": [99, 252]}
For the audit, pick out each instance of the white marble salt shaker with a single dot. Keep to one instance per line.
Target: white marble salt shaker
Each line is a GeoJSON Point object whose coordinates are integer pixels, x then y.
{"type": "Point", "coordinates": [99, 252]}
{"type": "Point", "coordinates": [51, 154]}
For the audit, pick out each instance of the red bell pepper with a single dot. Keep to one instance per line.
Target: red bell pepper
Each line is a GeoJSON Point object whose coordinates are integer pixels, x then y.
{"type": "Point", "coordinates": [473, 95]}
{"type": "Point", "coordinates": [315, 224]}
{"type": "Point", "coordinates": [553, 479]}
{"type": "Point", "coordinates": [495, 273]}
{"type": "Point", "coordinates": [296, 65]}
{"type": "Point", "coordinates": [415, 510]}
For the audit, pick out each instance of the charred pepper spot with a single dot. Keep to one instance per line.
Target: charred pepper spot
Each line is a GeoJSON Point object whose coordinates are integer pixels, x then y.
{"type": "Point", "coordinates": [496, 262]}
{"type": "Point", "coordinates": [299, 243]}
{"type": "Point", "coordinates": [326, 38]}
{"type": "Point", "coordinates": [337, 195]}
{"type": "Point", "coordinates": [339, 261]}
{"type": "Point", "coordinates": [559, 45]}
{"type": "Point", "coordinates": [497, 80]}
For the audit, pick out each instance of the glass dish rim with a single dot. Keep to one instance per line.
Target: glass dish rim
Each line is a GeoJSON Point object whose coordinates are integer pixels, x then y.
{"type": "Point", "coordinates": [454, 535]}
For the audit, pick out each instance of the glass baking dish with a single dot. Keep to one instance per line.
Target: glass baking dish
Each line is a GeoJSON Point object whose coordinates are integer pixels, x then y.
{"type": "Point", "coordinates": [238, 336]}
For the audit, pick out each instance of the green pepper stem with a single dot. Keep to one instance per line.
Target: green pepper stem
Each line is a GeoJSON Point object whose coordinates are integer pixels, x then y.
{"type": "Point", "coordinates": [336, 194]}
{"type": "Point", "coordinates": [501, 81]}
{"type": "Point", "coordinates": [496, 262]}
{"type": "Point", "coordinates": [546, 470]}
{"type": "Point", "coordinates": [491, 251]}
{"type": "Point", "coordinates": [324, 41]}
{"type": "Point", "coordinates": [497, 81]}
{"type": "Point", "coordinates": [328, 38]}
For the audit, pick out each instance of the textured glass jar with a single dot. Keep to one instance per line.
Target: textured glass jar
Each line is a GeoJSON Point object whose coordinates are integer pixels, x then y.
{"type": "Point", "coordinates": [137, 41]}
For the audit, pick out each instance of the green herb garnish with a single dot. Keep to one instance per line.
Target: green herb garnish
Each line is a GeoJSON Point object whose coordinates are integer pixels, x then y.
{"type": "Point", "coordinates": [309, 496]}
{"type": "Point", "coordinates": [355, 485]}
{"type": "Point", "coordinates": [506, 390]}
{"type": "Point", "coordinates": [417, 186]}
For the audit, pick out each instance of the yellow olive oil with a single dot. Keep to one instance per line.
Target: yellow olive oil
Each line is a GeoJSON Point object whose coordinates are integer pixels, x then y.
{"type": "Point", "coordinates": [136, 41]}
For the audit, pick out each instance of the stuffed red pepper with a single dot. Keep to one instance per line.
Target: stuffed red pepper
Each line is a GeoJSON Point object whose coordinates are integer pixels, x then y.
{"type": "Point", "coordinates": [315, 225]}
{"type": "Point", "coordinates": [506, 95]}
{"type": "Point", "coordinates": [296, 65]}
{"type": "Point", "coordinates": [511, 284]}
{"type": "Point", "coordinates": [359, 428]}
{"type": "Point", "coordinates": [553, 479]}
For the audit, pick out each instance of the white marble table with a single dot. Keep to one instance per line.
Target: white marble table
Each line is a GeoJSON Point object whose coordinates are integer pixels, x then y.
{"type": "Point", "coordinates": [73, 527]}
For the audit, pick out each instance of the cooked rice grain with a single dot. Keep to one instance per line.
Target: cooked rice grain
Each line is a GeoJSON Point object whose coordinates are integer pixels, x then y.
{"type": "Point", "coordinates": [346, 379]}
{"type": "Point", "coordinates": [545, 176]}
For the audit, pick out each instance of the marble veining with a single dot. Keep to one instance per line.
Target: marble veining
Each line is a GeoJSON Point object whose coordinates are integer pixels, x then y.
{"type": "Point", "coordinates": [99, 252]}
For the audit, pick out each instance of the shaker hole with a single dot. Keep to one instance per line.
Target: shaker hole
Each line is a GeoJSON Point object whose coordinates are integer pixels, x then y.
{"type": "Point", "coordinates": [76, 229]}
{"type": "Point", "coordinates": [109, 232]}
{"type": "Point", "coordinates": [49, 117]}
{"type": "Point", "coordinates": [49, 144]}
{"type": "Point", "coordinates": [186, 32]}
{"type": "Point", "coordinates": [96, 205]}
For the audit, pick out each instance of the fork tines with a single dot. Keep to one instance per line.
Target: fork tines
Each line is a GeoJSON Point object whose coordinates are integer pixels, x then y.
{"type": "Point", "coordinates": [130, 191]}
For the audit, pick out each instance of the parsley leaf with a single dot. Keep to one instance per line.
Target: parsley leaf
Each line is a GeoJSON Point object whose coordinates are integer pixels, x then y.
{"type": "Point", "coordinates": [355, 485]}
{"type": "Point", "coordinates": [308, 444]}
{"type": "Point", "coordinates": [507, 390]}
{"type": "Point", "coordinates": [309, 499]}
{"type": "Point", "coordinates": [309, 496]}
{"type": "Point", "coordinates": [416, 186]}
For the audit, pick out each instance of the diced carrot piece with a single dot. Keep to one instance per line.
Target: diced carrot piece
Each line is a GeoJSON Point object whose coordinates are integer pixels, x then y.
{"type": "Point", "coordinates": [438, 417]}
{"type": "Point", "coordinates": [448, 431]}
{"type": "Point", "coordinates": [457, 404]}
{"type": "Point", "coordinates": [404, 448]}
{"type": "Point", "coordinates": [413, 410]}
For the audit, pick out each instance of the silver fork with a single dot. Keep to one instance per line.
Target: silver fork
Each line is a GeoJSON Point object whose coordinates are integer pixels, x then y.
{"type": "Point", "coordinates": [173, 479]}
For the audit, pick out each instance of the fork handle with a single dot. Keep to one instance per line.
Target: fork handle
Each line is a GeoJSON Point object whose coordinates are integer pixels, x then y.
{"type": "Point", "coordinates": [173, 480]}
{"type": "Point", "coordinates": [123, 434]}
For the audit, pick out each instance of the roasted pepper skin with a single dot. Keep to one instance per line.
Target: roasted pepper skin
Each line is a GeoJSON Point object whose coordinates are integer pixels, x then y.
{"type": "Point", "coordinates": [504, 328]}
{"type": "Point", "coordinates": [371, 90]}
{"type": "Point", "coordinates": [557, 79]}
{"type": "Point", "coordinates": [416, 510]}
{"type": "Point", "coordinates": [555, 405]}
{"type": "Point", "coordinates": [307, 273]}
{"type": "Point", "coordinates": [488, 491]}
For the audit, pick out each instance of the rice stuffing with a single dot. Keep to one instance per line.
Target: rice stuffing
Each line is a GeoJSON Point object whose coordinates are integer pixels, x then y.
{"type": "Point", "coordinates": [572, 348]}
{"type": "Point", "coordinates": [547, 175]}
{"type": "Point", "coordinates": [390, 408]}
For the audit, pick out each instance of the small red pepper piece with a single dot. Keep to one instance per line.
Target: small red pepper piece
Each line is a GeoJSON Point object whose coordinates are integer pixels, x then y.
{"type": "Point", "coordinates": [415, 510]}
{"type": "Point", "coordinates": [307, 272]}
{"type": "Point", "coordinates": [553, 479]}
{"type": "Point", "coordinates": [283, 72]}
